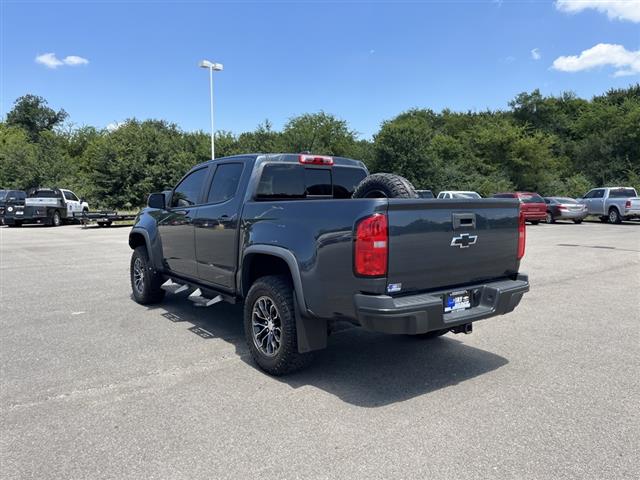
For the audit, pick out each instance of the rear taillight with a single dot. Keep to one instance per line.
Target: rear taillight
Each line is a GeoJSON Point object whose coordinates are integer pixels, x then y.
{"type": "Point", "coordinates": [628, 204]}
{"type": "Point", "coordinates": [315, 160]}
{"type": "Point", "coordinates": [562, 207]}
{"type": "Point", "coordinates": [371, 246]}
{"type": "Point", "coordinates": [522, 235]}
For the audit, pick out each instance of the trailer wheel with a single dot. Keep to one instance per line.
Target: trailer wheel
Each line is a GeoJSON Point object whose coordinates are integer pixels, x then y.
{"type": "Point", "coordinates": [270, 326]}
{"type": "Point", "coordinates": [145, 280]}
{"type": "Point", "coordinates": [385, 185]}
{"type": "Point", "coordinates": [56, 219]}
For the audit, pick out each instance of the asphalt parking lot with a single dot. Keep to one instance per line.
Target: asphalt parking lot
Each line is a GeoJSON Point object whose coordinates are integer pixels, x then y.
{"type": "Point", "coordinates": [96, 386]}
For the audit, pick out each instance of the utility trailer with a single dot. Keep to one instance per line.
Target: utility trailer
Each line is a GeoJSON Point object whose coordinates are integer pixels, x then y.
{"type": "Point", "coordinates": [104, 218]}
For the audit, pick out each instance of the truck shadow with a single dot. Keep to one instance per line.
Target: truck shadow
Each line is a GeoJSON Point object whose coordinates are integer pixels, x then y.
{"type": "Point", "coordinates": [362, 368]}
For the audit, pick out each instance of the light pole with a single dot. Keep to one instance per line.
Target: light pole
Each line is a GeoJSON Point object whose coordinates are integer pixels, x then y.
{"type": "Point", "coordinates": [218, 68]}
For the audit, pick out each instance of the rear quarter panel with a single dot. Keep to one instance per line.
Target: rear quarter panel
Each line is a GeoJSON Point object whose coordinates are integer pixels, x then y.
{"type": "Point", "coordinates": [319, 233]}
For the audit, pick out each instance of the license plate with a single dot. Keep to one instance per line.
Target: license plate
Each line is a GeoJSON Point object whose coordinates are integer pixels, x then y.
{"type": "Point", "coordinates": [455, 301]}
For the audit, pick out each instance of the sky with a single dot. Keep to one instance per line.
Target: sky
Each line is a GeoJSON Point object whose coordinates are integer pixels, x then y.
{"type": "Point", "coordinates": [365, 62]}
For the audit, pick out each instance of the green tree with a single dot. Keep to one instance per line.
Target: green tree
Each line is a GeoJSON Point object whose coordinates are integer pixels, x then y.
{"type": "Point", "coordinates": [32, 113]}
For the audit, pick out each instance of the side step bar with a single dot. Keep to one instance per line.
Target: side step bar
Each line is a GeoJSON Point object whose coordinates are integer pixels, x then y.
{"type": "Point", "coordinates": [173, 287]}
{"type": "Point", "coordinates": [200, 301]}
{"type": "Point", "coordinates": [195, 293]}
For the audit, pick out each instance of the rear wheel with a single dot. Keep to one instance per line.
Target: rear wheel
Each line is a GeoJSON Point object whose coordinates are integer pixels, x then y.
{"type": "Point", "coordinates": [270, 326]}
{"type": "Point", "coordinates": [577, 221]}
{"type": "Point", "coordinates": [145, 280]}
{"type": "Point", "coordinates": [56, 219]}
{"type": "Point", "coordinates": [550, 218]}
{"type": "Point", "coordinates": [614, 216]}
{"type": "Point", "coordinates": [385, 185]}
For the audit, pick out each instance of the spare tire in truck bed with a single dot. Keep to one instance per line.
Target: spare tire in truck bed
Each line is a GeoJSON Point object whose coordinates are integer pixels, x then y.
{"type": "Point", "coordinates": [385, 185]}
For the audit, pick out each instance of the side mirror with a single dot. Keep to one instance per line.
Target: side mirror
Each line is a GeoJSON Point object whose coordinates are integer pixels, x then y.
{"type": "Point", "coordinates": [156, 200]}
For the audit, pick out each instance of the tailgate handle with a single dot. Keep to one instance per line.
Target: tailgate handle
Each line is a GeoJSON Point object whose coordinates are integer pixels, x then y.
{"type": "Point", "coordinates": [464, 220]}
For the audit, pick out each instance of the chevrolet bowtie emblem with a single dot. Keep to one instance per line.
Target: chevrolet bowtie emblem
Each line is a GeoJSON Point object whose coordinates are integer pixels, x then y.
{"type": "Point", "coordinates": [464, 240]}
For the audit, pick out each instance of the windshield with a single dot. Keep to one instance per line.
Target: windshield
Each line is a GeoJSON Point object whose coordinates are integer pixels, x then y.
{"type": "Point", "coordinates": [465, 195]}
{"type": "Point", "coordinates": [530, 198]}
{"type": "Point", "coordinates": [622, 193]}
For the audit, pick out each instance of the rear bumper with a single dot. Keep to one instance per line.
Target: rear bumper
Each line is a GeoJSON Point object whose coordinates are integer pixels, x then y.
{"type": "Point", "coordinates": [577, 215]}
{"type": "Point", "coordinates": [423, 313]}
{"type": "Point", "coordinates": [528, 216]}
{"type": "Point", "coordinates": [632, 213]}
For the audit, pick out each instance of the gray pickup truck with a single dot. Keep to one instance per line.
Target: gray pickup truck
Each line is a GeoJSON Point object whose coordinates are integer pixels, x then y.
{"type": "Point", "coordinates": [613, 204]}
{"type": "Point", "coordinates": [282, 233]}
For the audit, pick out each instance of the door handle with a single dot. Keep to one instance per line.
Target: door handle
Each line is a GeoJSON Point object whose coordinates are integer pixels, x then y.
{"type": "Point", "coordinates": [226, 218]}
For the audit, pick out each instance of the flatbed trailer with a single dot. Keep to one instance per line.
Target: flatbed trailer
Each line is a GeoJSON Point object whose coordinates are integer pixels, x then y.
{"type": "Point", "coordinates": [103, 218]}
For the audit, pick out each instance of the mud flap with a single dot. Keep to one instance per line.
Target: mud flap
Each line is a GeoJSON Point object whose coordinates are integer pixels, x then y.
{"type": "Point", "coordinates": [311, 332]}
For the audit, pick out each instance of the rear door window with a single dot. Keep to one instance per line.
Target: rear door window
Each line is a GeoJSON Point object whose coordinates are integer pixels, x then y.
{"type": "Point", "coordinates": [225, 182]}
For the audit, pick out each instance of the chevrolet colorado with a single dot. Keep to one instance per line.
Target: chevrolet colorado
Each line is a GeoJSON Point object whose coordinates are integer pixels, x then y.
{"type": "Point", "coordinates": [282, 233]}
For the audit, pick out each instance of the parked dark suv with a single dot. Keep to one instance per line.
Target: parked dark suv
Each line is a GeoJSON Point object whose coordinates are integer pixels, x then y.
{"type": "Point", "coordinates": [9, 200]}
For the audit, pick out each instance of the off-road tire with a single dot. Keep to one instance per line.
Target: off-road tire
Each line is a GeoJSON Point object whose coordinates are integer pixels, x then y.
{"type": "Point", "coordinates": [149, 292]}
{"type": "Point", "coordinates": [614, 216]}
{"type": "Point", "coordinates": [385, 185]}
{"type": "Point", "coordinates": [286, 359]}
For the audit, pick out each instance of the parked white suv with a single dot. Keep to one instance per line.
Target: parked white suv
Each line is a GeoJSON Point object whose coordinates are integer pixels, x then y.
{"type": "Point", "coordinates": [459, 194]}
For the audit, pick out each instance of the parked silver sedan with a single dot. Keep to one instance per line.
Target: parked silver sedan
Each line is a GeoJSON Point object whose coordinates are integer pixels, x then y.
{"type": "Point", "coordinates": [564, 208]}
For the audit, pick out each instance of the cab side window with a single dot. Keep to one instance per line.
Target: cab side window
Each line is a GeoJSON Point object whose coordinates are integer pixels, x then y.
{"type": "Point", "coordinates": [598, 193]}
{"type": "Point", "coordinates": [70, 196]}
{"type": "Point", "coordinates": [225, 182]}
{"type": "Point", "coordinates": [187, 193]}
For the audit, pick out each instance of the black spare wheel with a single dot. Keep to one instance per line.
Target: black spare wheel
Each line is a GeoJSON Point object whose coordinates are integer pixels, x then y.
{"type": "Point", "coordinates": [385, 185]}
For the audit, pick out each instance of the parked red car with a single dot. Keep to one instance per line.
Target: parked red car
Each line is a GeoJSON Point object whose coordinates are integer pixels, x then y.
{"type": "Point", "coordinates": [531, 204]}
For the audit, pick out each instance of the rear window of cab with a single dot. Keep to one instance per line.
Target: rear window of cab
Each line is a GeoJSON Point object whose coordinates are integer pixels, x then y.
{"type": "Point", "coordinates": [289, 181]}
{"type": "Point", "coordinates": [530, 198]}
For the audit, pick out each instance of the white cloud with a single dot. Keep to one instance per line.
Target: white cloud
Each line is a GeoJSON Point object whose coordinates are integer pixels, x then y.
{"type": "Point", "coordinates": [535, 54]}
{"type": "Point", "coordinates": [615, 9]}
{"type": "Point", "coordinates": [625, 61]}
{"type": "Point", "coordinates": [114, 126]}
{"type": "Point", "coordinates": [50, 60]}
{"type": "Point", "coordinates": [74, 60]}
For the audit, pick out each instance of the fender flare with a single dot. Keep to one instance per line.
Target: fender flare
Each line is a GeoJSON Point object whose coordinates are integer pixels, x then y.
{"type": "Point", "coordinates": [283, 254]}
{"type": "Point", "coordinates": [311, 331]}
{"type": "Point", "coordinates": [147, 241]}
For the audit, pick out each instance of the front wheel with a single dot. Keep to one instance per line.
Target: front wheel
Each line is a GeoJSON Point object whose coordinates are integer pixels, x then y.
{"type": "Point", "coordinates": [145, 280]}
{"type": "Point", "coordinates": [270, 326]}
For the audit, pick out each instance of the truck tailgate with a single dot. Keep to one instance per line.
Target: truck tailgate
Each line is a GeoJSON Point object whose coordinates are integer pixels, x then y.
{"type": "Point", "coordinates": [447, 243]}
